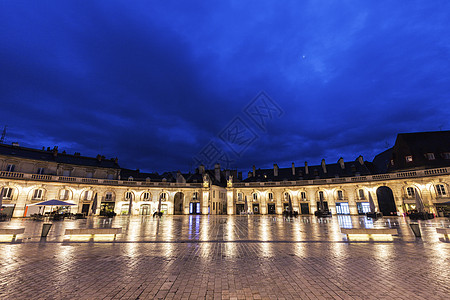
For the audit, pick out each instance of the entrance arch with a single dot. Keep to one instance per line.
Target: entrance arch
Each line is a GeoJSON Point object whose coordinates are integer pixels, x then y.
{"type": "Point", "coordinates": [178, 203]}
{"type": "Point", "coordinates": [386, 201]}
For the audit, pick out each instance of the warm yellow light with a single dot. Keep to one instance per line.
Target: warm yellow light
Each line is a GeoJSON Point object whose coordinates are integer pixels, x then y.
{"type": "Point", "coordinates": [6, 238]}
{"type": "Point", "coordinates": [367, 237]}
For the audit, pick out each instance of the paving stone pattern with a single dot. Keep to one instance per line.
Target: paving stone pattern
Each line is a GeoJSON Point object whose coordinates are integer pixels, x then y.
{"type": "Point", "coordinates": [225, 257]}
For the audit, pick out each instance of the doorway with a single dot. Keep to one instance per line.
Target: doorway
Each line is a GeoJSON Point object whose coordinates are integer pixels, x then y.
{"type": "Point", "coordinates": [178, 203]}
{"type": "Point", "coordinates": [271, 209]}
{"type": "Point", "coordinates": [386, 201]}
{"type": "Point", "coordinates": [304, 208]}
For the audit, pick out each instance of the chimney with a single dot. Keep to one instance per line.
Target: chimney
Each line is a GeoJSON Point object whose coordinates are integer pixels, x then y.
{"type": "Point", "coordinates": [201, 169]}
{"type": "Point", "coordinates": [55, 151]}
{"type": "Point", "coordinates": [360, 160]}
{"type": "Point", "coordinates": [240, 176]}
{"type": "Point", "coordinates": [293, 169]}
{"type": "Point", "coordinates": [217, 172]}
{"type": "Point", "coordinates": [99, 157]}
{"type": "Point", "coordinates": [306, 168]}
{"type": "Point", "coordinates": [341, 162]}
{"type": "Point", "coordinates": [254, 171]}
{"type": "Point", "coordinates": [116, 160]}
{"type": "Point", "coordinates": [249, 174]}
{"type": "Point", "coordinates": [324, 166]}
{"type": "Point", "coordinates": [275, 170]}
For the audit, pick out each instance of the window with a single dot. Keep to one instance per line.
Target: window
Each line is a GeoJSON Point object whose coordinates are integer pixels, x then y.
{"type": "Point", "coordinates": [255, 197]}
{"type": "Point", "coordinates": [10, 168]}
{"type": "Point", "coordinates": [340, 195]}
{"type": "Point", "coordinates": [195, 196]}
{"type": "Point", "coordinates": [303, 195]}
{"type": "Point", "coordinates": [446, 155]}
{"type": "Point", "coordinates": [214, 194]}
{"type": "Point", "coordinates": [86, 195]}
{"type": "Point", "coordinates": [270, 196]}
{"type": "Point", "coordinates": [163, 196]}
{"type": "Point", "coordinates": [287, 197]}
{"type": "Point", "coordinates": [392, 162]}
{"type": "Point", "coordinates": [63, 194]}
{"type": "Point", "coordinates": [88, 174]}
{"type": "Point", "coordinates": [321, 196]}
{"type": "Point", "coordinates": [240, 197]}
{"type": "Point", "coordinates": [66, 173]}
{"type": "Point", "coordinates": [430, 156]}
{"type": "Point", "coordinates": [37, 194]}
{"type": "Point", "coordinates": [108, 196]}
{"type": "Point", "coordinates": [410, 192]}
{"type": "Point", "coordinates": [440, 188]}
{"type": "Point", "coordinates": [408, 158]}
{"type": "Point", "coordinates": [361, 194]}
{"type": "Point", "coordinates": [130, 178]}
{"type": "Point", "coordinates": [128, 195]}
{"type": "Point", "coordinates": [7, 192]}
{"type": "Point", "coordinates": [40, 171]}
{"type": "Point", "coordinates": [146, 196]}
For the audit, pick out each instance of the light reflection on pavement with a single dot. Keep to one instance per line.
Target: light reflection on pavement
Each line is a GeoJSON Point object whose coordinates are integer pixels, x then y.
{"type": "Point", "coordinates": [227, 257]}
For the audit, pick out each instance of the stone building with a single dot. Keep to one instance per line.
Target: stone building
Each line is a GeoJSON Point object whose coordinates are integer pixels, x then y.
{"type": "Point", "coordinates": [418, 163]}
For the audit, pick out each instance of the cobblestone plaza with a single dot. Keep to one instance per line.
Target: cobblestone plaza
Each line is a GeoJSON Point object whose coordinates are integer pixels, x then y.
{"type": "Point", "coordinates": [225, 257]}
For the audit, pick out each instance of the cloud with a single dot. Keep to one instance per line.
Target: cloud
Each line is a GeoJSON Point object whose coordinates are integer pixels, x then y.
{"type": "Point", "coordinates": [154, 83]}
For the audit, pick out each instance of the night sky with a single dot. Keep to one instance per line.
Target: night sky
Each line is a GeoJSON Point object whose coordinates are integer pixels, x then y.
{"type": "Point", "coordinates": [162, 86]}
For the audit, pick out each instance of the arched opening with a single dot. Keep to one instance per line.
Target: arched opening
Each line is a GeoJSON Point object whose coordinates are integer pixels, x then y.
{"type": "Point", "coordinates": [386, 201]}
{"type": "Point", "coordinates": [178, 203]}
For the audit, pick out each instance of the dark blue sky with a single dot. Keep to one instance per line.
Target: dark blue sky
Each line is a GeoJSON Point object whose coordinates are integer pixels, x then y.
{"type": "Point", "coordinates": [155, 84]}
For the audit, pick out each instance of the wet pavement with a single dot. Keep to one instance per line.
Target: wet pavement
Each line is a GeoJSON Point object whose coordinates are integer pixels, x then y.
{"type": "Point", "coordinates": [225, 257]}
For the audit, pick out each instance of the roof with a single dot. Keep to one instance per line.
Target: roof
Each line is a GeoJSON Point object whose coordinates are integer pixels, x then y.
{"type": "Point", "coordinates": [334, 170]}
{"type": "Point", "coordinates": [417, 145]}
{"type": "Point", "coordinates": [57, 157]}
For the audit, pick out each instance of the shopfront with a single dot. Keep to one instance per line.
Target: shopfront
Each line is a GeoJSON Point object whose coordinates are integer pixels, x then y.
{"type": "Point", "coordinates": [342, 208]}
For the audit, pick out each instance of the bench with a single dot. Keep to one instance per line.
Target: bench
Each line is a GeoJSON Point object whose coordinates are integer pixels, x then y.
{"type": "Point", "coordinates": [369, 231]}
{"type": "Point", "coordinates": [93, 231]}
{"type": "Point", "coordinates": [444, 231]}
{"type": "Point", "coordinates": [12, 231]}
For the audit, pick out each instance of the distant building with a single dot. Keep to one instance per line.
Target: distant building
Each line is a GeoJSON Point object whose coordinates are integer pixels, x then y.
{"type": "Point", "coordinates": [417, 163]}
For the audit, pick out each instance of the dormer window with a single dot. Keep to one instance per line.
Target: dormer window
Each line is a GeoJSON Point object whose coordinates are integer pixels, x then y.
{"type": "Point", "coordinates": [430, 156]}
{"type": "Point", "coordinates": [446, 155]}
{"type": "Point", "coordinates": [408, 158]}
{"type": "Point", "coordinates": [10, 168]}
{"type": "Point", "coordinates": [88, 174]}
{"type": "Point", "coordinates": [40, 171]}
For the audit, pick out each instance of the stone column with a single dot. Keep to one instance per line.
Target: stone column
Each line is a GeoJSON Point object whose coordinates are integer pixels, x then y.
{"type": "Point", "coordinates": [279, 203]}
{"type": "Point", "coordinates": [351, 202]}
{"type": "Point", "coordinates": [205, 201]}
{"type": "Point", "coordinates": [230, 201]}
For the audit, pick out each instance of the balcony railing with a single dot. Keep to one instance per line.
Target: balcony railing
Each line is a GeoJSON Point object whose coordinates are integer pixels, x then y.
{"type": "Point", "coordinates": [95, 181]}
{"type": "Point", "coordinates": [366, 178]}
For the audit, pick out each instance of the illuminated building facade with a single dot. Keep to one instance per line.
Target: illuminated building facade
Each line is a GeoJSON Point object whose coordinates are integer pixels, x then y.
{"type": "Point", "coordinates": [418, 163]}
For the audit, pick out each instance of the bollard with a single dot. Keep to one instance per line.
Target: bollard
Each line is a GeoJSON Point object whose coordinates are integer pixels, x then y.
{"type": "Point", "coordinates": [45, 229]}
{"type": "Point", "coordinates": [416, 229]}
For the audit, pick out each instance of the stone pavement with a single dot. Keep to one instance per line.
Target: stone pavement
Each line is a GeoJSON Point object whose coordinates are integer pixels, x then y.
{"type": "Point", "coordinates": [225, 257]}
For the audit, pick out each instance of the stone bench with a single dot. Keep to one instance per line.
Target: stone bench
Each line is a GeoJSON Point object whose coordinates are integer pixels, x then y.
{"type": "Point", "coordinates": [11, 231]}
{"type": "Point", "coordinates": [444, 231]}
{"type": "Point", "coordinates": [371, 231]}
{"type": "Point", "coordinates": [93, 231]}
